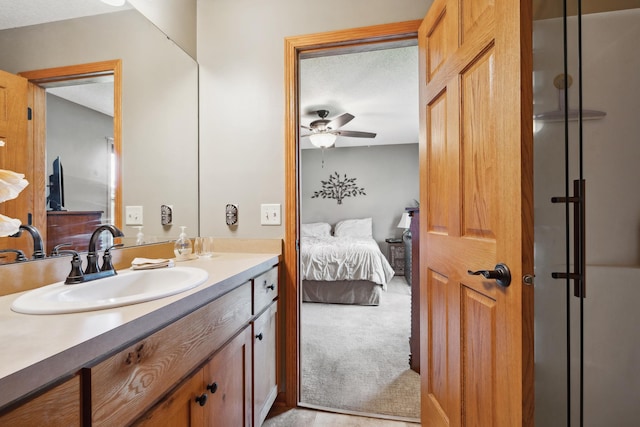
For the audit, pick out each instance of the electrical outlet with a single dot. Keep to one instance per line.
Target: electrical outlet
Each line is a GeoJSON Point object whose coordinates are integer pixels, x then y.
{"type": "Point", "coordinates": [133, 215]}
{"type": "Point", "coordinates": [166, 214]}
{"type": "Point", "coordinates": [270, 214]}
{"type": "Point", "coordinates": [231, 214]}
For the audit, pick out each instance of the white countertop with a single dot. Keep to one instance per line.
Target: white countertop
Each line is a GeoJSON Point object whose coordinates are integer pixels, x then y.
{"type": "Point", "coordinates": [40, 349]}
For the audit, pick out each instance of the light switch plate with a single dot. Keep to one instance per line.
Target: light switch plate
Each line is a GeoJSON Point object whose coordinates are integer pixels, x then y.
{"type": "Point", "coordinates": [270, 214]}
{"type": "Point", "coordinates": [133, 215]}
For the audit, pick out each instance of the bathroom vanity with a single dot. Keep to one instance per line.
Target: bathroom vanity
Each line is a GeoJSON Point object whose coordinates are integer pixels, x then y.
{"type": "Point", "coordinates": [204, 357]}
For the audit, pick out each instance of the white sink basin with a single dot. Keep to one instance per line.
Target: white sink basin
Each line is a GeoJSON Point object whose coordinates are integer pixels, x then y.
{"type": "Point", "coordinates": [127, 287]}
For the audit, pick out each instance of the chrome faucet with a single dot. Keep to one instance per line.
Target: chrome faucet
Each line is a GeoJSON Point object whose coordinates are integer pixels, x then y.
{"type": "Point", "coordinates": [38, 251]}
{"type": "Point", "coordinates": [92, 255]}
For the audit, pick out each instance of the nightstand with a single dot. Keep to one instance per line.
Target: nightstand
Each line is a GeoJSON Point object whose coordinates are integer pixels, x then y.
{"type": "Point", "coordinates": [396, 255]}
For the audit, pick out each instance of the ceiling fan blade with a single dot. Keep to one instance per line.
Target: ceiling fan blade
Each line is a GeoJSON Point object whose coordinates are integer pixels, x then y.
{"type": "Point", "coordinates": [340, 121]}
{"type": "Point", "coordinates": [305, 127]}
{"type": "Point", "coordinates": [306, 134]}
{"type": "Point", "coordinates": [356, 134]}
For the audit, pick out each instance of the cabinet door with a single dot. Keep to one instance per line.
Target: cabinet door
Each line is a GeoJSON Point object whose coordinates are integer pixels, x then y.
{"type": "Point", "coordinates": [228, 380]}
{"type": "Point", "coordinates": [180, 407]}
{"type": "Point", "coordinates": [265, 388]}
{"type": "Point", "coordinates": [59, 406]}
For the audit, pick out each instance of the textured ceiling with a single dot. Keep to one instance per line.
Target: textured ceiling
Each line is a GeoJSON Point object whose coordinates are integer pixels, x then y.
{"type": "Point", "coordinates": [380, 88]}
{"type": "Point", "coordinates": [97, 96]}
{"type": "Point", "coordinates": [20, 13]}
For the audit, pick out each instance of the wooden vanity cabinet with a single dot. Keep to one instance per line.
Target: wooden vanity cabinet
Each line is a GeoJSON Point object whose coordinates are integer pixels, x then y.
{"type": "Point", "coordinates": [131, 381]}
{"type": "Point", "coordinates": [265, 310]}
{"type": "Point", "coordinates": [237, 385]}
{"type": "Point", "coordinates": [59, 406]}
{"type": "Point", "coordinates": [218, 394]}
{"type": "Point", "coordinates": [213, 367]}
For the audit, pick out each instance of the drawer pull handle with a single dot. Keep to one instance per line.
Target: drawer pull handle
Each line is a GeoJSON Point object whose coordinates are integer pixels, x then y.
{"type": "Point", "coordinates": [272, 286]}
{"type": "Point", "coordinates": [202, 399]}
{"type": "Point", "coordinates": [259, 336]}
{"type": "Point", "coordinates": [212, 387]}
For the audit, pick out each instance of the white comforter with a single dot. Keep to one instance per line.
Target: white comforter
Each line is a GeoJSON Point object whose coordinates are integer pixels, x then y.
{"type": "Point", "coordinates": [344, 258]}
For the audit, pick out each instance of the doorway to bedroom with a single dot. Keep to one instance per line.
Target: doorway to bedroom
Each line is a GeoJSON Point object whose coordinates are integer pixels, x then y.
{"type": "Point", "coordinates": [355, 314]}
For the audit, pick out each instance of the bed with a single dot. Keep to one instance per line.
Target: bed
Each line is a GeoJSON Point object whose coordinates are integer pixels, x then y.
{"type": "Point", "coordinates": [343, 267]}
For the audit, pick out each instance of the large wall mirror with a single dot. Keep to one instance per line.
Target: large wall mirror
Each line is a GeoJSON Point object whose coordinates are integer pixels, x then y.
{"type": "Point", "coordinates": [159, 117]}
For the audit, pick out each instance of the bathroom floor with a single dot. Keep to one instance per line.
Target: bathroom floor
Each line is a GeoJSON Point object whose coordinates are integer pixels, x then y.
{"type": "Point", "coordinates": [309, 418]}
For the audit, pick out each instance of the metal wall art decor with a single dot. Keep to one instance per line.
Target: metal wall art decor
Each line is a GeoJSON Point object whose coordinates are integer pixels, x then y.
{"type": "Point", "coordinates": [338, 188]}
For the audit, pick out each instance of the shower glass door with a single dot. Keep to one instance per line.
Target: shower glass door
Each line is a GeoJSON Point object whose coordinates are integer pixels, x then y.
{"type": "Point", "coordinates": [587, 214]}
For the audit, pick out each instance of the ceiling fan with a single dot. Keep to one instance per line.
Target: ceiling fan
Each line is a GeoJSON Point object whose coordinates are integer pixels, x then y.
{"type": "Point", "coordinates": [324, 132]}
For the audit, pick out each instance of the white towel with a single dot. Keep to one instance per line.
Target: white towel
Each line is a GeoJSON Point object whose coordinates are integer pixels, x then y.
{"type": "Point", "coordinates": [150, 263]}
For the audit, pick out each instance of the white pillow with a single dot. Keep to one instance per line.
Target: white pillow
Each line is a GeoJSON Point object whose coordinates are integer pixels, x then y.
{"type": "Point", "coordinates": [354, 228]}
{"type": "Point", "coordinates": [316, 229]}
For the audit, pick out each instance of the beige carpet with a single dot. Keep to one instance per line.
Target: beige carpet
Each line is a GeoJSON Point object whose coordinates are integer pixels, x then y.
{"type": "Point", "coordinates": [356, 358]}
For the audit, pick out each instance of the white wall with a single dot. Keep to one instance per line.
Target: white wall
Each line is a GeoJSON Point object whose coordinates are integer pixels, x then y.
{"type": "Point", "coordinates": [389, 175]}
{"type": "Point", "coordinates": [241, 57]}
{"type": "Point", "coordinates": [611, 83]}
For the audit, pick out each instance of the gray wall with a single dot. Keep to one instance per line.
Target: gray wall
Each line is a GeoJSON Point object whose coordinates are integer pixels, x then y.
{"type": "Point", "coordinates": [77, 134]}
{"type": "Point", "coordinates": [389, 175]}
{"type": "Point", "coordinates": [176, 18]}
{"type": "Point", "coordinates": [241, 57]}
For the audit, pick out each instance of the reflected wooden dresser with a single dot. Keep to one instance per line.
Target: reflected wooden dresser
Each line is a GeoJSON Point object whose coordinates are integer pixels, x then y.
{"type": "Point", "coordinates": [74, 227]}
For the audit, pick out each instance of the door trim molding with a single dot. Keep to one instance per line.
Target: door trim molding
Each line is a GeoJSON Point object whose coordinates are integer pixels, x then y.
{"type": "Point", "coordinates": [357, 38]}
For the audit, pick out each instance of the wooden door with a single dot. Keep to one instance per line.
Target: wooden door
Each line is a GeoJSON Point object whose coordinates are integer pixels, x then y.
{"type": "Point", "coordinates": [476, 198]}
{"type": "Point", "coordinates": [16, 154]}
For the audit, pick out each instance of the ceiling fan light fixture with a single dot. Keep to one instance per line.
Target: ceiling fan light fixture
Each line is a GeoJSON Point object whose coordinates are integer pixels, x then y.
{"type": "Point", "coordinates": [322, 140]}
{"type": "Point", "coordinates": [114, 2]}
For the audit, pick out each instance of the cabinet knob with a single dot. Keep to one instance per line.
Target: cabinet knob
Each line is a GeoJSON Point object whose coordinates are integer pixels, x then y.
{"type": "Point", "coordinates": [202, 399]}
{"type": "Point", "coordinates": [212, 387]}
{"type": "Point", "coordinates": [272, 286]}
{"type": "Point", "coordinates": [259, 336]}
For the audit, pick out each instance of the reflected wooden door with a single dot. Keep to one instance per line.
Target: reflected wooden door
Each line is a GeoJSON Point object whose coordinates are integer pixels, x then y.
{"type": "Point", "coordinates": [476, 195]}
{"type": "Point", "coordinates": [16, 154]}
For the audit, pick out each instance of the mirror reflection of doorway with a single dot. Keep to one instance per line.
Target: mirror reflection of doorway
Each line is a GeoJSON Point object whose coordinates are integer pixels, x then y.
{"type": "Point", "coordinates": [354, 357]}
{"type": "Point", "coordinates": [81, 141]}
{"type": "Point", "coordinates": [80, 137]}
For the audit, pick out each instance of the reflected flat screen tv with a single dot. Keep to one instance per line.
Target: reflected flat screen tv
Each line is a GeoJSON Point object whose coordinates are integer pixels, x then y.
{"type": "Point", "coordinates": [56, 187]}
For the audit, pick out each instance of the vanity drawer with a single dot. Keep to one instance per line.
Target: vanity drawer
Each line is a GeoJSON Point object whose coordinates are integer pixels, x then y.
{"type": "Point", "coordinates": [129, 382]}
{"type": "Point", "coordinates": [265, 289]}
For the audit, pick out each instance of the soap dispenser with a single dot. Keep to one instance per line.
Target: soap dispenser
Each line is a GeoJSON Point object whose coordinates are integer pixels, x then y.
{"type": "Point", "coordinates": [183, 246]}
{"type": "Point", "coordinates": [139, 236]}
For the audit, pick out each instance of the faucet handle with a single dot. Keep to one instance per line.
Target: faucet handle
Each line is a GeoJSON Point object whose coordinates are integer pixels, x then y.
{"type": "Point", "coordinates": [76, 275]}
{"type": "Point", "coordinates": [20, 257]}
{"type": "Point", "coordinates": [56, 249]}
{"type": "Point", "coordinates": [106, 258]}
